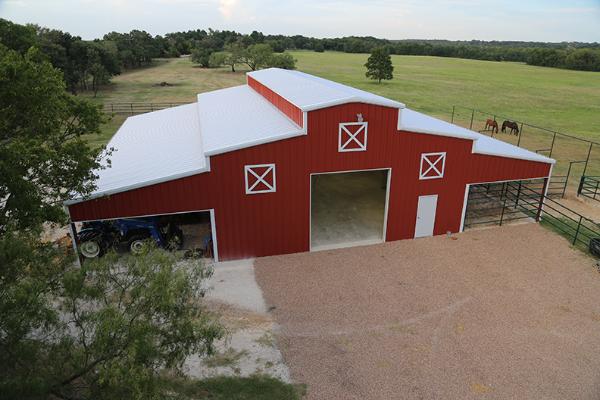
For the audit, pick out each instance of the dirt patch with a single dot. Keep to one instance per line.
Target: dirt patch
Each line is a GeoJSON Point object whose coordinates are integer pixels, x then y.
{"type": "Point", "coordinates": [587, 207]}
{"type": "Point", "coordinates": [510, 312]}
{"type": "Point", "coordinates": [250, 346]}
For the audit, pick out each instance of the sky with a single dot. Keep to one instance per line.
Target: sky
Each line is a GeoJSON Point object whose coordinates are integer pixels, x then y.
{"type": "Point", "coordinates": [528, 20]}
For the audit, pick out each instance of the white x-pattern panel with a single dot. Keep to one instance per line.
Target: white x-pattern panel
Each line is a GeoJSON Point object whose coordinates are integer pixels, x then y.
{"type": "Point", "coordinates": [352, 136]}
{"type": "Point", "coordinates": [260, 178]}
{"type": "Point", "coordinates": [432, 165]}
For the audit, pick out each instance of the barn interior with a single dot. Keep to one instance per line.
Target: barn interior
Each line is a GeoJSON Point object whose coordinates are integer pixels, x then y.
{"type": "Point", "coordinates": [348, 209]}
{"type": "Point", "coordinates": [195, 228]}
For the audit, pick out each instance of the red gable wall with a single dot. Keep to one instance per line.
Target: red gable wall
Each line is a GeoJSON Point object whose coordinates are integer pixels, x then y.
{"type": "Point", "coordinates": [279, 223]}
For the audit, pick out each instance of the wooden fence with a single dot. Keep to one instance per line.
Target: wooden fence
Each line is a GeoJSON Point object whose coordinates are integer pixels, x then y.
{"type": "Point", "coordinates": [137, 108]}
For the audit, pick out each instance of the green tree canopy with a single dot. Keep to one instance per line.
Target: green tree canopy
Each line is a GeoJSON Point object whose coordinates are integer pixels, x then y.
{"type": "Point", "coordinates": [104, 330]}
{"type": "Point", "coordinates": [43, 157]}
{"type": "Point", "coordinates": [257, 56]}
{"type": "Point", "coordinates": [379, 65]}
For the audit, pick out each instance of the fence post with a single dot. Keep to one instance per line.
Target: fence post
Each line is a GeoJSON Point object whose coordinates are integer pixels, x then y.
{"type": "Point", "coordinates": [472, 116]}
{"type": "Point", "coordinates": [503, 207]}
{"type": "Point", "coordinates": [577, 230]}
{"type": "Point", "coordinates": [596, 190]}
{"type": "Point", "coordinates": [452, 119]}
{"type": "Point", "coordinates": [112, 108]}
{"type": "Point", "coordinates": [552, 145]}
{"type": "Point", "coordinates": [131, 105]}
{"type": "Point", "coordinates": [518, 194]}
{"type": "Point", "coordinates": [538, 215]}
{"type": "Point", "coordinates": [587, 159]}
{"type": "Point", "coordinates": [520, 136]}
{"type": "Point", "coordinates": [581, 182]}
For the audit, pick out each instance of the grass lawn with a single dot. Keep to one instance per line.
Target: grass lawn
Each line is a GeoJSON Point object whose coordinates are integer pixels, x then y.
{"type": "Point", "coordinates": [568, 101]}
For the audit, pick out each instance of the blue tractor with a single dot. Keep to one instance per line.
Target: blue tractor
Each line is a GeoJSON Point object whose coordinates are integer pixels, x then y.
{"type": "Point", "coordinates": [97, 237]}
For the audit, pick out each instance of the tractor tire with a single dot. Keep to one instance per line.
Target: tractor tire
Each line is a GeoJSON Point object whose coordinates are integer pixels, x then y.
{"type": "Point", "coordinates": [91, 249]}
{"type": "Point", "coordinates": [137, 244]}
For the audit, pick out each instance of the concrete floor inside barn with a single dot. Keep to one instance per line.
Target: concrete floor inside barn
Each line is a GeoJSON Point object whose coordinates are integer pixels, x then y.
{"type": "Point", "coordinates": [347, 209]}
{"type": "Point", "coordinates": [509, 312]}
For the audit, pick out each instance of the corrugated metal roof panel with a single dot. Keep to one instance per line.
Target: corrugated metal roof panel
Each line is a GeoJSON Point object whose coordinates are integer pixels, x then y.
{"type": "Point", "coordinates": [309, 92]}
{"type": "Point", "coordinates": [151, 148]}
{"type": "Point", "coordinates": [414, 121]}
{"type": "Point", "coordinates": [239, 117]}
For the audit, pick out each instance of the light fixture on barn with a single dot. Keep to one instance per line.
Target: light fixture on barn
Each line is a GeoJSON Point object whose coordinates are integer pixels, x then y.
{"type": "Point", "coordinates": [359, 117]}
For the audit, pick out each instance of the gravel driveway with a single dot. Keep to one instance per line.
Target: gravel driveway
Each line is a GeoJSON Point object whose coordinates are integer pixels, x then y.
{"type": "Point", "coordinates": [500, 313]}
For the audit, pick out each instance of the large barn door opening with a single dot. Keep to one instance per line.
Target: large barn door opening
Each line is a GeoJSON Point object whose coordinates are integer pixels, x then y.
{"type": "Point", "coordinates": [348, 208]}
{"type": "Point", "coordinates": [191, 233]}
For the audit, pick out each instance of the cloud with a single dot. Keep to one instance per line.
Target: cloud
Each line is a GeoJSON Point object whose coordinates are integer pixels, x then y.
{"type": "Point", "coordinates": [227, 8]}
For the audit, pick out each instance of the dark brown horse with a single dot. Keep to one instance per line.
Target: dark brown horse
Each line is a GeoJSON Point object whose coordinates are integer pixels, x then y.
{"type": "Point", "coordinates": [514, 127]}
{"type": "Point", "coordinates": [490, 123]}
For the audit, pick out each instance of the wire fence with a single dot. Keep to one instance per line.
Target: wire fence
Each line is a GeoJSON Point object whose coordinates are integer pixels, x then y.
{"type": "Point", "coordinates": [574, 155]}
{"type": "Point", "coordinates": [137, 108]}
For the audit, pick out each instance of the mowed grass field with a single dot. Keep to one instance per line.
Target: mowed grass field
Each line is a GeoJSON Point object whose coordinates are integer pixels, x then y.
{"type": "Point", "coordinates": [568, 101]}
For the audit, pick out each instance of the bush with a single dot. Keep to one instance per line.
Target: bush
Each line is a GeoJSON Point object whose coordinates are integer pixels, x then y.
{"type": "Point", "coordinates": [202, 56]}
{"type": "Point", "coordinates": [285, 61]}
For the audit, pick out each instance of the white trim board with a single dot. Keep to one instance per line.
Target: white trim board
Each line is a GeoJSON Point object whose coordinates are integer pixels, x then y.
{"type": "Point", "coordinates": [349, 137]}
{"type": "Point", "coordinates": [432, 165]}
{"type": "Point", "coordinates": [350, 244]}
{"type": "Point", "coordinates": [260, 178]}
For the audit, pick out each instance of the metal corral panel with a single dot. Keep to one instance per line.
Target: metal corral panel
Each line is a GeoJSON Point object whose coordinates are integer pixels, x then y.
{"type": "Point", "coordinates": [278, 223]}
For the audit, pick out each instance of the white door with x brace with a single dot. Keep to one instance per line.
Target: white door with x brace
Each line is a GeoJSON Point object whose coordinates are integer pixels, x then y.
{"type": "Point", "coordinates": [426, 215]}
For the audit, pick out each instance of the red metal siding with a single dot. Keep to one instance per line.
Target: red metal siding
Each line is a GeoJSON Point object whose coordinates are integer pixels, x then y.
{"type": "Point", "coordinates": [293, 112]}
{"type": "Point", "coordinates": [278, 223]}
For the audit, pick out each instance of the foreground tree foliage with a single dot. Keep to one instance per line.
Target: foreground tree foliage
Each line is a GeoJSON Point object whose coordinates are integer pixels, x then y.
{"type": "Point", "coordinates": [379, 65]}
{"type": "Point", "coordinates": [105, 330]}
{"type": "Point", "coordinates": [43, 157]}
{"type": "Point", "coordinates": [102, 331]}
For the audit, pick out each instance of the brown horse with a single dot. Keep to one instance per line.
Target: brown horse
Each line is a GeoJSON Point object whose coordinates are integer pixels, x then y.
{"type": "Point", "coordinates": [514, 127]}
{"type": "Point", "coordinates": [491, 123]}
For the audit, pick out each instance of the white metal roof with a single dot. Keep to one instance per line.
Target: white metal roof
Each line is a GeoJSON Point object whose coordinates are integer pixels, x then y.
{"type": "Point", "coordinates": [413, 121]}
{"type": "Point", "coordinates": [177, 142]}
{"type": "Point", "coordinates": [239, 117]}
{"type": "Point", "coordinates": [152, 148]}
{"type": "Point", "coordinates": [309, 92]}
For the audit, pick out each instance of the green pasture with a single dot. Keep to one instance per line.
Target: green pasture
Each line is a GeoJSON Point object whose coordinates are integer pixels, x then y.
{"type": "Point", "coordinates": [562, 100]}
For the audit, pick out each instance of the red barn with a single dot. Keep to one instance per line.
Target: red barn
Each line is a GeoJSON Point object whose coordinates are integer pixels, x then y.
{"type": "Point", "coordinates": [291, 162]}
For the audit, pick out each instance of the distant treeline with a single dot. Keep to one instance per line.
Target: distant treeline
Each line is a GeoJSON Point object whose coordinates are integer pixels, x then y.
{"type": "Point", "coordinates": [87, 65]}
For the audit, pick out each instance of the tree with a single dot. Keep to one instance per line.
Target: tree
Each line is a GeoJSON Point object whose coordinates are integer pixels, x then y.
{"type": "Point", "coordinates": [43, 157]}
{"type": "Point", "coordinates": [379, 65]}
{"type": "Point", "coordinates": [202, 56]}
{"type": "Point", "coordinates": [285, 61]}
{"type": "Point", "coordinates": [257, 56]}
{"type": "Point", "coordinates": [218, 59]}
{"type": "Point", "coordinates": [17, 37]}
{"type": "Point", "coordinates": [235, 55]}
{"type": "Point", "coordinates": [104, 330]}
